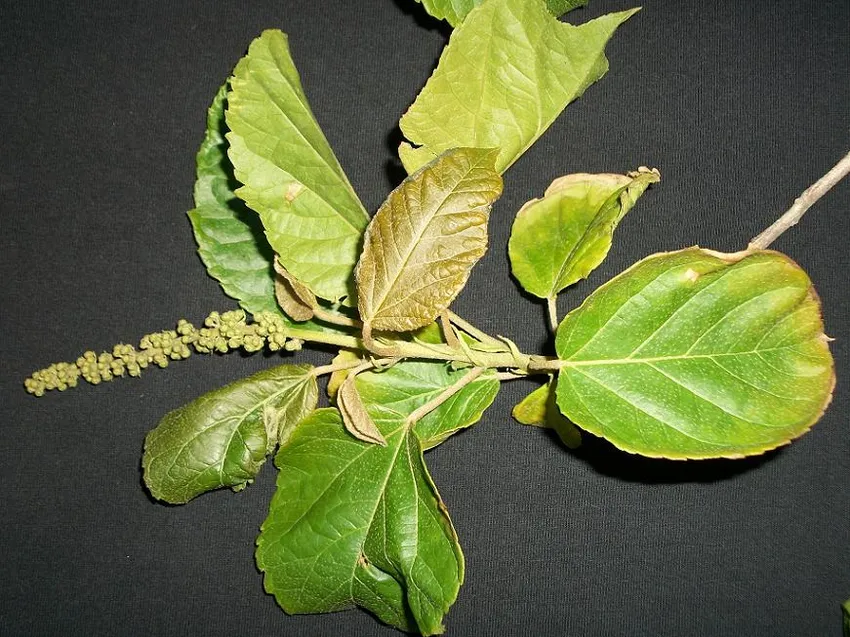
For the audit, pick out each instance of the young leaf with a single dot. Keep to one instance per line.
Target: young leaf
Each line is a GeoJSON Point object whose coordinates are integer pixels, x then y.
{"type": "Point", "coordinates": [454, 11]}
{"type": "Point", "coordinates": [354, 415]}
{"type": "Point", "coordinates": [696, 354]}
{"type": "Point", "coordinates": [296, 299]}
{"type": "Point", "coordinates": [229, 235]}
{"type": "Point", "coordinates": [559, 239]}
{"type": "Point", "coordinates": [506, 74]}
{"type": "Point", "coordinates": [354, 523]}
{"type": "Point", "coordinates": [222, 438]}
{"type": "Point", "coordinates": [538, 409]}
{"type": "Point", "coordinates": [338, 377]}
{"type": "Point", "coordinates": [385, 542]}
{"type": "Point", "coordinates": [424, 240]}
{"type": "Point", "coordinates": [313, 218]}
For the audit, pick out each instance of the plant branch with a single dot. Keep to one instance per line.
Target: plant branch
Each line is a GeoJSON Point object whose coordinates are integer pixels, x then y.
{"type": "Point", "coordinates": [358, 365]}
{"type": "Point", "coordinates": [802, 204]}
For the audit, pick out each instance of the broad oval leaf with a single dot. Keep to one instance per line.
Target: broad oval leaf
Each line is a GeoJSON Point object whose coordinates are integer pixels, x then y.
{"type": "Point", "coordinates": [506, 74]}
{"type": "Point", "coordinates": [313, 218]}
{"type": "Point", "coordinates": [424, 240]}
{"type": "Point", "coordinates": [538, 409]}
{"type": "Point", "coordinates": [222, 438]}
{"type": "Point", "coordinates": [229, 235]}
{"type": "Point", "coordinates": [454, 11]}
{"type": "Point", "coordinates": [696, 354]}
{"type": "Point", "coordinates": [561, 238]}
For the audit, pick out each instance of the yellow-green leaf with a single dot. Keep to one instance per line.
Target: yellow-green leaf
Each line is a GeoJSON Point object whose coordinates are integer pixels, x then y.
{"type": "Point", "coordinates": [312, 217]}
{"type": "Point", "coordinates": [538, 409]}
{"type": "Point", "coordinates": [697, 354]}
{"type": "Point", "coordinates": [507, 73]}
{"type": "Point", "coordinates": [454, 11]}
{"type": "Point", "coordinates": [424, 240]}
{"type": "Point", "coordinates": [559, 239]}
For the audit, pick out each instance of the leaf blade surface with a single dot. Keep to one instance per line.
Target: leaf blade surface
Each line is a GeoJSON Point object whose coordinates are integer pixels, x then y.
{"type": "Point", "coordinates": [693, 354]}
{"type": "Point", "coordinates": [454, 11]}
{"type": "Point", "coordinates": [561, 238]}
{"type": "Point", "coordinates": [508, 71]}
{"type": "Point", "coordinates": [386, 542]}
{"type": "Point", "coordinates": [423, 241]}
{"type": "Point", "coordinates": [230, 236]}
{"type": "Point", "coordinates": [312, 217]}
{"type": "Point", "coordinates": [222, 438]}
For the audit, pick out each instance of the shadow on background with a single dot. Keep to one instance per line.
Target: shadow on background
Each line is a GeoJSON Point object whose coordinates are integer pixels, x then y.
{"type": "Point", "coordinates": [607, 460]}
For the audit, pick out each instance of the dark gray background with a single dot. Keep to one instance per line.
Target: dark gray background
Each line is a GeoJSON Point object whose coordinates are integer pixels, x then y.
{"type": "Point", "coordinates": [739, 104]}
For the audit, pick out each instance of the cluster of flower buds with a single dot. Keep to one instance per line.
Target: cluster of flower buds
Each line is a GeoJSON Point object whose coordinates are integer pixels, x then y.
{"type": "Point", "coordinates": [221, 333]}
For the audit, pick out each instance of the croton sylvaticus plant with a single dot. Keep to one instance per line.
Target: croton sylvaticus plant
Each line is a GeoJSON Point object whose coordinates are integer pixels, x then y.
{"type": "Point", "coordinates": [688, 354]}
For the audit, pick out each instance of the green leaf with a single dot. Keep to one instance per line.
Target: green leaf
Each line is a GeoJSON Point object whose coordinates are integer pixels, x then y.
{"type": "Point", "coordinates": [505, 76]}
{"type": "Point", "coordinates": [343, 506]}
{"type": "Point", "coordinates": [222, 438]}
{"type": "Point", "coordinates": [354, 523]}
{"type": "Point", "coordinates": [454, 11]}
{"type": "Point", "coordinates": [229, 235]}
{"type": "Point", "coordinates": [313, 218]}
{"type": "Point", "coordinates": [538, 409]}
{"type": "Point", "coordinates": [424, 240]}
{"type": "Point", "coordinates": [408, 385]}
{"type": "Point", "coordinates": [697, 354]}
{"type": "Point", "coordinates": [561, 238]}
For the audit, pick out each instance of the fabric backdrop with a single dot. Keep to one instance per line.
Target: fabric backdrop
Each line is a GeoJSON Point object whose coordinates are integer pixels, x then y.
{"type": "Point", "coordinates": [739, 104]}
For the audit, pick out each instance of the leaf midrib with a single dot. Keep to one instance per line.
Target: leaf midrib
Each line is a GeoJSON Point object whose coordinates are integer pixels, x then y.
{"type": "Point", "coordinates": [672, 357]}
{"type": "Point", "coordinates": [419, 234]}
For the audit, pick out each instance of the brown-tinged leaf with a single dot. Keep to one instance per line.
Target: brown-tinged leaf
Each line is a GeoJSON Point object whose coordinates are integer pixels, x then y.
{"type": "Point", "coordinates": [423, 241]}
{"type": "Point", "coordinates": [295, 298]}
{"type": "Point", "coordinates": [357, 420]}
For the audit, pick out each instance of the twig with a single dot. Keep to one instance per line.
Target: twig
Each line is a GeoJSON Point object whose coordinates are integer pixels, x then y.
{"type": "Point", "coordinates": [358, 365]}
{"type": "Point", "coordinates": [802, 204]}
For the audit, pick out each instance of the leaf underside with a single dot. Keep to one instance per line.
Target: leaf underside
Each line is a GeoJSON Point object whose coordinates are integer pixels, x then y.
{"type": "Point", "coordinates": [222, 438]}
{"type": "Point", "coordinates": [354, 523]}
{"type": "Point", "coordinates": [561, 238]}
{"type": "Point", "coordinates": [539, 409]}
{"type": "Point", "coordinates": [506, 74]}
{"type": "Point", "coordinates": [694, 354]}
{"type": "Point", "coordinates": [229, 235]}
{"type": "Point", "coordinates": [423, 241]}
{"type": "Point", "coordinates": [312, 217]}
{"type": "Point", "coordinates": [454, 11]}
